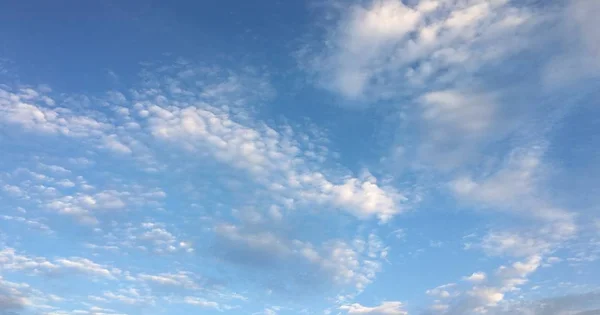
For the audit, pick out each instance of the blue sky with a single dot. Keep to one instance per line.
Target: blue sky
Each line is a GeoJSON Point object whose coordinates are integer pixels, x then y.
{"type": "Point", "coordinates": [300, 157]}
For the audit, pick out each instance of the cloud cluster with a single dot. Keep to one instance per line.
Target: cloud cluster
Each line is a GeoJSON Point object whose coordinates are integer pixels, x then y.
{"type": "Point", "coordinates": [344, 263]}
{"type": "Point", "coordinates": [274, 159]}
{"type": "Point", "coordinates": [194, 129]}
{"type": "Point", "coordinates": [380, 49]}
{"type": "Point", "coordinates": [486, 293]}
{"type": "Point", "coordinates": [61, 191]}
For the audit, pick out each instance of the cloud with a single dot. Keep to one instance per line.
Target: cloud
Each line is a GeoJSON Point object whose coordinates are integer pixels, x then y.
{"type": "Point", "coordinates": [181, 127]}
{"type": "Point", "coordinates": [577, 304]}
{"type": "Point", "coordinates": [62, 191]}
{"type": "Point", "coordinates": [381, 49]}
{"type": "Point", "coordinates": [203, 303]}
{"type": "Point", "coordinates": [580, 48]}
{"type": "Point", "coordinates": [468, 113]}
{"type": "Point", "coordinates": [74, 118]}
{"type": "Point", "coordinates": [11, 296]}
{"type": "Point", "coordinates": [167, 112]}
{"type": "Point", "coordinates": [180, 279]}
{"type": "Point", "coordinates": [454, 123]}
{"type": "Point", "coordinates": [515, 187]}
{"type": "Point", "coordinates": [486, 294]}
{"type": "Point", "coordinates": [274, 159]}
{"type": "Point", "coordinates": [154, 237]}
{"type": "Point", "coordinates": [334, 262]}
{"type": "Point", "coordinates": [515, 244]}
{"type": "Point", "coordinates": [173, 122]}
{"type": "Point", "coordinates": [86, 266]}
{"type": "Point", "coordinates": [12, 261]}
{"type": "Point", "coordinates": [32, 223]}
{"type": "Point", "coordinates": [442, 291]}
{"type": "Point", "coordinates": [511, 182]}
{"type": "Point", "coordinates": [386, 308]}
{"type": "Point", "coordinates": [130, 296]}
{"type": "Point", "coordinates": [17, 109]}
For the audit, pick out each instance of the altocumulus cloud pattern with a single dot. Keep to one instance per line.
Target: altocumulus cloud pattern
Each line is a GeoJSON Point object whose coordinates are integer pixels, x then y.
{"type": "Point", "coordinates": [377, 157]}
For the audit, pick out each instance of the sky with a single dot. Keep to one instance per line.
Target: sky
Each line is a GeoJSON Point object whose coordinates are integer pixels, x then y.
{"type": "Point", "coordinates": [373, 157]}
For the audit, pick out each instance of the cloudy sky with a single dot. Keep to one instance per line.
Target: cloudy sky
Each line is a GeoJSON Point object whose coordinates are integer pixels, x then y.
{"type": "Point", "coordinates": [376, 157]}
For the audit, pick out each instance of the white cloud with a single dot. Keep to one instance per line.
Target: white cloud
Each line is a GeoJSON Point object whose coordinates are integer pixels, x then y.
{"type": "Point", "coordinates": [129, 296]}
{"type": "Point", "coordinates": [12, 261]}
{"type": "Point", "coordinates": [443, 291]}
{"type": "Point", "coordinates": [72, 195]}
{"type": "Point", "coordinates": [515, 187]}
{"type": "Point", "coordinates": [386, 308]}
{"type": "Point", "coordinates": [147, 236]}
{"type": "Point", "coordinates": [368, 32]}
{"type": "Point", "coordinates": [575, 304]}
{"type": "Point", "coordinates": [12, 296]}
{"type": "Point", "coordinates": [488, 292]}
{"type": "Point", "coordinates": [515, 244]}
{"type": "Point", "coordinates": [342, 263]}
{"type": "Point", "coordinates": [378, 49]}
{"type": "Point", "coordinates": [580, 49]}
{"type": "Point", "coordinates": [467, 113]}
{"type": "Point", "coordinates": [476, 277]}
{"type": "Point", "coordinates": [269, 311]}
{"type": "Point", "coordinates": [511, 182]}
{"type": "Point", "coordinates": [229, 134]}
{"type": "Point", "coordinates": [179, 279]}
{"type": "Point", "coordinates": [86, 266]}
{"type": "Point", "coordinates": [13, 190]}
{"type": "Point", "coordinates": [112, 142]}
{"type": "Point", "coordinates": [92, 310]}
{"type": "Point", "coordinates": [203, 303]}
{"type": "Point", "coordinates": [32, 223]}
{"type": "Point", "coordinates": [17, 109]}
{"type": "Point", "coordinates": [454, 123]}
{"type": "Point", "coordinates": [273, 159]}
